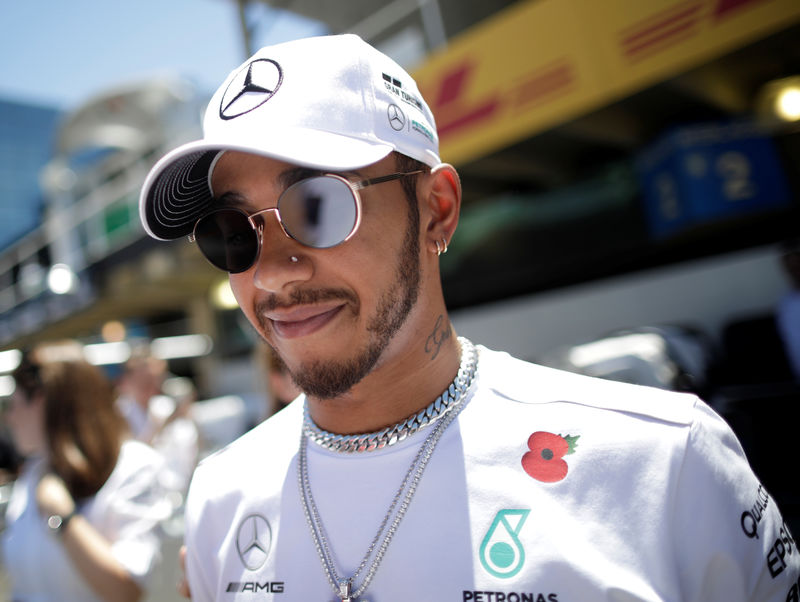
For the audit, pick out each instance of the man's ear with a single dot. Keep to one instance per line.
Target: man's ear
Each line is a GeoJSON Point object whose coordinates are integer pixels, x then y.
{"type": "Point", "coordinates": [443, 204]}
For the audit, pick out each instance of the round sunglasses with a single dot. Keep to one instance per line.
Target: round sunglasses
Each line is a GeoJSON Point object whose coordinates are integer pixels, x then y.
{"type": "Point", "coordinates": [318, 212]}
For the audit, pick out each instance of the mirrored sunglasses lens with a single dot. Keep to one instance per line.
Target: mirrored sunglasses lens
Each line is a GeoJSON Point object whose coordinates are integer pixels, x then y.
{"type": "Point", "coordinates": [227, 240]}
{"type": "Point", "coordinates": [319, 212]}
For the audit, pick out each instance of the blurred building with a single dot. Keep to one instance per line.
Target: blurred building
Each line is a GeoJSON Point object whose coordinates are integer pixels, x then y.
{"type": "Point", "coordinates": [26, 143]}
{"type": "Point", "coordinates": [82, 259]}
{"type": "Point", "coordinates": [622, 164]}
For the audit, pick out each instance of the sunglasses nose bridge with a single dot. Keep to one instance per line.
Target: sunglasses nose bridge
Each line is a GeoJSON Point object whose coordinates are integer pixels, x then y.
{"type": "Point", "coordinates": [259, 226]}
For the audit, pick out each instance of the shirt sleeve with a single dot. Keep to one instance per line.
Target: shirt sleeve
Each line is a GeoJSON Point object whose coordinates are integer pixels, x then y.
{"type": "Point", "coordinates": [135, 505]}
{"type": "Point", "coordinates": [731, 542]}
{"type": "Point", "coordinates": [197, 575]}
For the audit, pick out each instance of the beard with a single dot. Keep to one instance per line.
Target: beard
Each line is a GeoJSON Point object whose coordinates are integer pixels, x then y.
{"type": "Point", "coordinates": [333, 378]}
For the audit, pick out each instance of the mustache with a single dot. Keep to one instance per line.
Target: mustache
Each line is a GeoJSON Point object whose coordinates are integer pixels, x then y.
{"type": "Point", "coordinates": [304, 297]}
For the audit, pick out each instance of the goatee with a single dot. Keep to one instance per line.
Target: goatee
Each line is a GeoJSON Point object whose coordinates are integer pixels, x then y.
{"type": "Point", "coordinates": [333, 378]}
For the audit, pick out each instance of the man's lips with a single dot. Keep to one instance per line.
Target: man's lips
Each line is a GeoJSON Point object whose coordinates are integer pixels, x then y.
{"type": "Point", "coordinates": [302, 321]}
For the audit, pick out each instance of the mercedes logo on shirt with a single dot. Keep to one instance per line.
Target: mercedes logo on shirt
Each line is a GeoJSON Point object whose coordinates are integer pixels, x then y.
{"type": "Point", "coordinates": [253, 541]}
{"type": "Point", "coordinates": [396, 117]}
{"type": "Point", "coordinates": [250, 88]}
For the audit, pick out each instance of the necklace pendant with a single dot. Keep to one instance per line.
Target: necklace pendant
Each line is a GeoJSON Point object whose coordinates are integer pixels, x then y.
{"type": "Point", "coordinates": [344, 591]}
{"type": "Point", "coordinates": [345, 594]}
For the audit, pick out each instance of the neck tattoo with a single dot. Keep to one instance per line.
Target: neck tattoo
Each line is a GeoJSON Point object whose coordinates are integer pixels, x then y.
{"type": "Point", "coordinates": [445, 413]}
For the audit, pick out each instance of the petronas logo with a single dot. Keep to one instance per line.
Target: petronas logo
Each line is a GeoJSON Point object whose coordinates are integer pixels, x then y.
{"type": "Point", "coordinates": [501, 553]}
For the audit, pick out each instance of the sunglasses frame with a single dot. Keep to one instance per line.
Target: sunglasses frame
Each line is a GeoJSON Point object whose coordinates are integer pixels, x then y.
{"type": "Point", "coordinates": [258, 228]}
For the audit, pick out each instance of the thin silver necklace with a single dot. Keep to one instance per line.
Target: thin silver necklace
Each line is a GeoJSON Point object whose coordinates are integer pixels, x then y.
{"type": "Point", "coordinates": [343, 586]}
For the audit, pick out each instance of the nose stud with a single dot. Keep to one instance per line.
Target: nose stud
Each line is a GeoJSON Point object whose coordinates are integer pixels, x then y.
{"type": "Point", "coordinates": [293, 259]}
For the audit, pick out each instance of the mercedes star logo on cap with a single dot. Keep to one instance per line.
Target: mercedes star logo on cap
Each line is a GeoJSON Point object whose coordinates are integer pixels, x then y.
{"type": "Point", "coordinates": [254, 85]}
{"type": "Point", "coordinates": [253, 541]}
{"type": "Point", "coordinates": [396, 118]}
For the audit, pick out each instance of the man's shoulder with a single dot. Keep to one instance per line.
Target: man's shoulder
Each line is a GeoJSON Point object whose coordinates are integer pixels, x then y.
{"type": "Point", "coordinates": [253, 469]}
{"type": "Point", "coordinates": [275, 438]}
{"type": "Point", "coordinates": [524, 382]}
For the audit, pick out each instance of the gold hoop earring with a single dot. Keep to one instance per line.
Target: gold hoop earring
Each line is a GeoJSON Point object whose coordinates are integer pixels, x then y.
{"type": "Point", "coordinates": [438, 248]}
{"type": "Point", "coordinates": [444, 242]}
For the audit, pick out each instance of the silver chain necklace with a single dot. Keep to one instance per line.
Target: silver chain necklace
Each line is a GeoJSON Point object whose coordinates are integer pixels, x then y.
{"type": "Point", "coordinates": [426, 417]}
{"type": "Point", "coordinates": [343, 586]}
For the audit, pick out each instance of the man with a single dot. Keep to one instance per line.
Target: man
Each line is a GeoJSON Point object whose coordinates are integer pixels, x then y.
{"type": "Point", "coordinates": [416, 466]}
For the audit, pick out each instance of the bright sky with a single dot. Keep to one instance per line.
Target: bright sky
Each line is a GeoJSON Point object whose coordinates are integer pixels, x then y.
{"type": "Point", "coordinates": [60, 53]}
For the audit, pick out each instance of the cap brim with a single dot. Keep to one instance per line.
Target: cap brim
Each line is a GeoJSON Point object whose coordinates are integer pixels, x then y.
{"type": "Point", "coordinates": [176, 192]}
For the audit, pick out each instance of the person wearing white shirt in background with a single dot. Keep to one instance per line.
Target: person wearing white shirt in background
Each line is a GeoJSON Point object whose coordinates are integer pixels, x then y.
{"type": "Point", "coordinates": [157, 407]}
{"type": "Point", "coordinates": [81, 524]}
{"type": "Point", "coordinates": [178, 439]}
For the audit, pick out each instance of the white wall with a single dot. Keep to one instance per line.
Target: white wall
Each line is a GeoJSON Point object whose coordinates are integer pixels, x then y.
{"type": "Point", "coordinates": [705, 294]}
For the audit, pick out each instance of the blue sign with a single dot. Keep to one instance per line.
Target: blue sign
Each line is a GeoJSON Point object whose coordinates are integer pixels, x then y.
{"type": "Point", "coordinates": [696, 175]}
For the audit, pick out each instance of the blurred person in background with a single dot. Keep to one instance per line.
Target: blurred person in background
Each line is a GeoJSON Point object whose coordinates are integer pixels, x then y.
{"type": "Point", "coordinates": [81, 522]}
{"type": "Point", "coordinates": [280, 388]}
{"type": "Point", "coordinates": [9, 458]}
{"type": "Point", "coordinates": [177, 439]}
{"type": "Point", "coordinates": [418, 466]}
{"type": "Point", "coordinates": [9, 465]}
{"type": "Point", "coordinates": [788, 310]}
{"type": "Point", "coordinates": [157, 407]}
{"type": "Point", "coordinates": [138, 389]}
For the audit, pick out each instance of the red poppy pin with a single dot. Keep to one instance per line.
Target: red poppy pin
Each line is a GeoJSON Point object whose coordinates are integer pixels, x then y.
{"type": "Point", "coordinates": [545, 460]}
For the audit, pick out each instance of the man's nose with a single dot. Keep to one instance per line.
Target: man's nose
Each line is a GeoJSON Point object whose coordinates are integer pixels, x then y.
{"type": "Point", "coordinates": [282, 261]}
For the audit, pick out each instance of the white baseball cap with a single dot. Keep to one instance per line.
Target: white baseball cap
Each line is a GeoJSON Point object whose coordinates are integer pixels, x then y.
{"type": "Point", "coordinates": [332, 103]}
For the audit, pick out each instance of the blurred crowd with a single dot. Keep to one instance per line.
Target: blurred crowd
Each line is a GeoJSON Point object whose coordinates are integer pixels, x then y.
{"type": "Point", "coordinates": [94, 470]}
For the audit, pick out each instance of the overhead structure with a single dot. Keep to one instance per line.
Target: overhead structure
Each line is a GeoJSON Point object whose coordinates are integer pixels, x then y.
{"type": "Point", "coordinates": [546, 107]}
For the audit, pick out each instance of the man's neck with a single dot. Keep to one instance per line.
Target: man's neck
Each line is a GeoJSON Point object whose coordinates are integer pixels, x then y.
{"type": "Point", "coordinates": [405, 382]}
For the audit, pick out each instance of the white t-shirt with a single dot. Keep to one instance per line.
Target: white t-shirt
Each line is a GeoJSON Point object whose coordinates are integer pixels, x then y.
{"type": "Point", "coordinates": [549, 487]}
{"type": "Point", "coordinates": [125, 511]}
{"type": "Point", "coordinates": [139, 420]}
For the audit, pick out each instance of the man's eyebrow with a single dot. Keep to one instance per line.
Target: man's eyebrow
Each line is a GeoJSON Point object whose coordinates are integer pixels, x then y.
{"type": "Point", "coordinates": [231, 199]}
{"type": "Point", "coordinates": [297, 174]}
{"type": "Point", "coordinates": [285, 178]}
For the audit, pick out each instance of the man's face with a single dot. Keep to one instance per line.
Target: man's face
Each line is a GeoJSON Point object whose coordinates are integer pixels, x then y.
{"type": "Point", "coordinates": [331, 314]}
